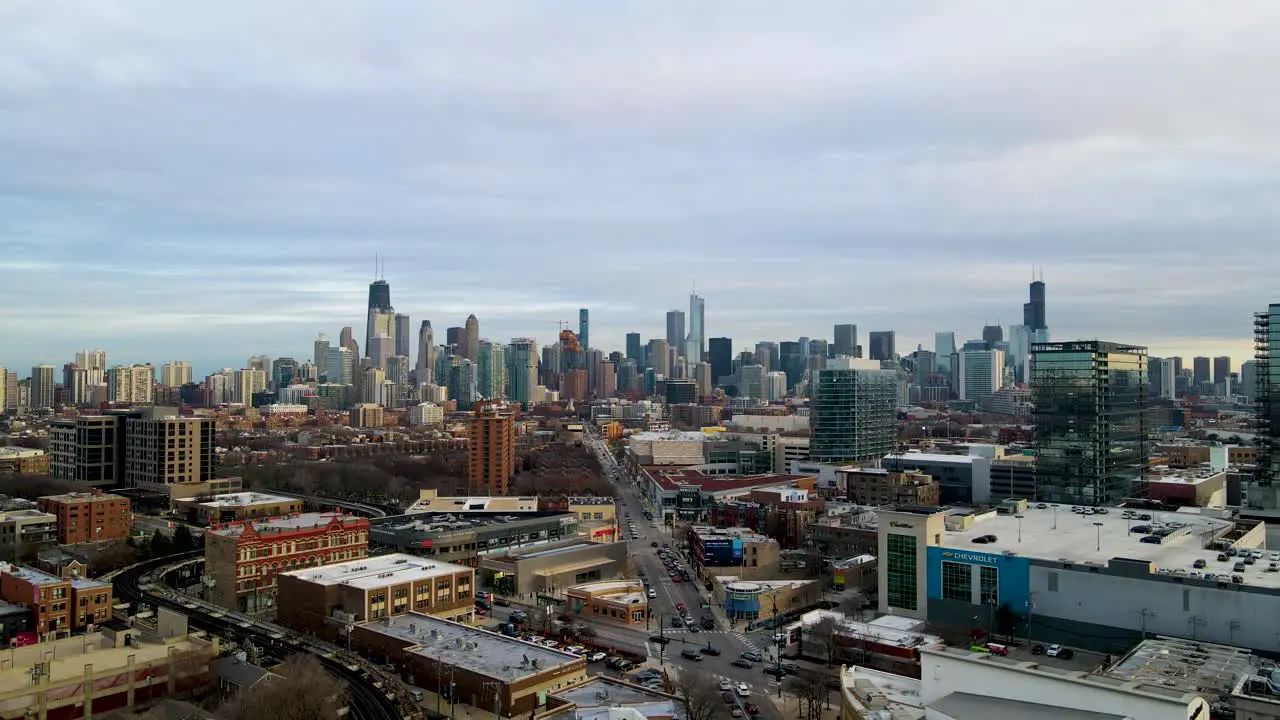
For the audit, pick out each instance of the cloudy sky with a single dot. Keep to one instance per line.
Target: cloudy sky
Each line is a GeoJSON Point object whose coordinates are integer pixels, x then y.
{"type": "Point", "coordinates": [206, 181]}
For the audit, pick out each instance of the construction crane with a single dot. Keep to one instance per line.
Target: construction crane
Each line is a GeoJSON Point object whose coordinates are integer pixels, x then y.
{"type": "Point", "coordinates": [562, 324]}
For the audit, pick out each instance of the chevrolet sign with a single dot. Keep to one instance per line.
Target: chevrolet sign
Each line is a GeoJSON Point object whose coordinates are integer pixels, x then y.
{"type": "Point", "coordinates": [969, 557]}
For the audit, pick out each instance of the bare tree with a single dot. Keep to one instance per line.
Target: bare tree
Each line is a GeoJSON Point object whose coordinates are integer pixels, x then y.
{"type": "Point", "coordinates": [820, 641]}
{"type": "Point", "coordinates": [809, 692]}
{"type": "Point", "coordinates": [698, 691]}
{"type": "Point", "coordinates": [304, 692]}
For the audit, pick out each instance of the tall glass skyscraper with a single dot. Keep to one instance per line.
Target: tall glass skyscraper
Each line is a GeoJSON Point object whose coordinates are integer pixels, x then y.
{"type": "Point", "coordinates": [697, 342]}
{"type": "Point", "coordinates": [491, 371]}
{"type": "Point", "coordinates": [584, 328]}
{"type": "Point", "coordinates": [853, 406]}
{"type": "Point", "coordinates": [1090, 402]}
{"type": "Point", "coordinates": [379, 304]}
{"type": "Point", "coordinates": [675, 330]}
{"type": "Point", "coordinates": [522, 366]}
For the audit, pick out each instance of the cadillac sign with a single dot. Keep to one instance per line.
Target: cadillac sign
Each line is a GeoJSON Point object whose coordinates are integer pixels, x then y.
{"type": "Point", "coordinates": [969, 557]}
{"type": "Point", "coordinates": [901, 525]}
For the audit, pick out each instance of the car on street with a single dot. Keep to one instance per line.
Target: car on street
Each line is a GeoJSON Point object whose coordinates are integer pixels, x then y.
{"type": "Point", "coordinates": [502, 602]}
{"type": "Point", "coordinates": [1054, 650]}
{"type": "Point", "coordinates": [775, 671]}
{"type": "Point", "coordinates": [693, 655]}
{"type": "Point", "coordinates": [481, 612]}
{"type": "Point", "coordinates": [726, 685]}
{"type": "Point", "coordinates": [653, 593]}
{"type": "Point", "coordinates": [711, 650]}
{"type": "Point", "coordinates": [752, 709]}
{"type": "Point", "coordinates": [596, 657]}
{"type": "Point", "coordinates": [743, 690]}
{"type": "Point", "coordinates": [659, 639]}
{"type": "Point", "coordinates": [752, 655]}
{"type": "Point", "coordinates": [743, 663]}
{"type": "Point", "coordinates": [1037, 649]}
{"type": "Point", "coordinates": [728, 698]}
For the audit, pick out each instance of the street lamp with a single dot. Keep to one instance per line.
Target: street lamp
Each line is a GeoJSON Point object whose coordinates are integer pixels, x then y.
{"type": "Point", "coordinates": [1019, 516]}
{"type": "Point", "coordinates": [1099, 526]}
{"type": "Point", "coordinates": [1055, 516]}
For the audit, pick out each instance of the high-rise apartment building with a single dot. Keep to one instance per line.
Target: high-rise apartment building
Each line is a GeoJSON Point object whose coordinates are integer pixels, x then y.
{"type": "Point", "coordinates": [523, 370]}
{"type": "Point", "coordinates": [633, 347]}
{"type": "Point", "coordinates": [1090, 400]}
{"type": "Point", "coordinates": [42, 387]}
{"type": "Point", "coordinates": [1161, 381]}
{"type": "Point", "coordinates": [176, 373]}
{"type": "Point", "coordinates": [259, 362]}
{"type": "Point", "coordinates": [1266, 370]}
{"type": "Point", "coordinates": [425, 367]}
{"type": "Point", "coordinates": [1249, 380]}
{"type": "Point", "coordinates": [373, 390]}
{"type": "Point", "coordinates": [882, 345]}
{"type": "Point", "coordinates": [247, 382]}
{"type": "Point", "coordinates": [978, 373]}
{"type": "Point", "coordinates": [75, 385]}
{"type": "Point", "coordinates": [658, 357]}
{"type": "Point", "coordinates": [720, 357]}
{"type": "Point", "coordinates": [95, 364]}
{"type": "Point", "coordinates": [491, 450]}
{"type": "Point", "coordinates": [381, 347]}
{"type": "Point", "coordinates": [341, 366]}
{"type": "Point", "coordinates": [4, 390]}
{"type": "Point", "coordinates": [491, 371]}
{"type": "Point", "coordinates": [573, 385]}
{"type": "Point", "coordinates": [403, 338]}
{"type": "Point", "coordinates": [696, 345]}
{"type": "Point", "coordinates": [846, 340]}
{"type": "Point", "coordinates": [606, 385]}
{"type": "Point", "coordinates": [398, 376]}
{"type": "Point", "coordinates": [675, 331]}
{"type": "Point", "coordinates": [320, 356]}
{"type": "Point", "coordinates": [131, 384]}
{"type": "Point", "coordinates": [471, 348]}
{"type": "Point", "coordinates": [584, 329]}
{"type": "Point", "coordinates": [463, 387]}
{"type": "Point", "coordinates": [852, 416]}
{"type": "Point", "coordinates": [701, 376]}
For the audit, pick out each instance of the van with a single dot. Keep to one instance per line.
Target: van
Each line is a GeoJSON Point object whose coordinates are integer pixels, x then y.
{"type": "Point", "coordinates": [416, 694]}
{"type": "Point", "coordinates": [998, 649]}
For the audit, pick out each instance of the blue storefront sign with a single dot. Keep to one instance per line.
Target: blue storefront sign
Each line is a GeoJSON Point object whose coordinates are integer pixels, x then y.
{"type": "Point", "coordinates": [1013, 574]}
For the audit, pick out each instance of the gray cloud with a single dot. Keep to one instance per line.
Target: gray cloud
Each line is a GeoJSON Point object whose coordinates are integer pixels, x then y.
{"type": "Point", "coordinates": [177, 180]}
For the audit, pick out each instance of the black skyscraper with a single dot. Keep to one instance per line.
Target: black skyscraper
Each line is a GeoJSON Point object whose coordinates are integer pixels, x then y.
{"type": "Point", "coordinates": [379, 295]}
{"type": "Point", "coordinates": [883, 345]}
{"type": "Point", "coordinates": [1033, 312]}
{"type": "Point", "coordinates": [633, 346]}
{"type": "Point", "coordinates": [720, 351]}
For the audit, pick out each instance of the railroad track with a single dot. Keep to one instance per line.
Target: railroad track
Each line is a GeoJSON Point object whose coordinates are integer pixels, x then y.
{"type": "Point", "coordinates": [368, 701]}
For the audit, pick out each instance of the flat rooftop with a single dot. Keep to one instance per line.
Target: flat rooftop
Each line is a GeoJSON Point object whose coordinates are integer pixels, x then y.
{"type": "Point", "coordinates": [33, 576]}
{"type": "Point", "coordinates": [669, 436]}
{"type": "Point", "coordinates": [83, 497]}
{"type": "Point", "coordinates": [571, 547]}
{"type": "Point", "coordinates": [19, 452]}
{"type": "Point", "coordinates": [909, 457]}
{"type": "Point", "coordinates": [299, 521]}
{"type": "Point", "coordinates": [601, 691]}
{"type": "Point", "coordinates": [433, 523]}
{"type": "Point", "coordinates": [469, 504]}
{"type": "Point", "coordinates": [1194, 665]}
{"type": "Point", "coordinates": [480, 651]}
{"type": "Point", "coordinates": [706, 532]}
{"type": "Point", "coordinates": [69, 657]}
{"type": "Point", "coordinates": [245, 499]}
{"type": "Point", "coordinates": [1098, 538]}
{"type": "Point", "coordinates": [377, 571]}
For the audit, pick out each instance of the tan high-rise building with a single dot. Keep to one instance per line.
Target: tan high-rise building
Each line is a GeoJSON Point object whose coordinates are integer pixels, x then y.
{"type": "Point", "coordinates": [472, 349]}
{"type": "Point", "coordinates": [491, 452]}
{"type": "Point", "coordinates": [94, 362]}
{"type": "Point", "coordinates": [366, 415]}
{"type": "Point", "coordinates": [133, 384]}
{"type": "Point", "coordinates": [247, 382]}
{"type": "Point", "coordinates": [573, 385]}
{"type": "Point", "coordinates": [162, 449]}
{"type": "Point", "coordinates": [4, 389]}
{"type": "Point", "coordinates": [175, 374]}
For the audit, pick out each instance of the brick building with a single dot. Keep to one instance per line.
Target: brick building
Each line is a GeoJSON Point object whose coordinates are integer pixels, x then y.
{"type": "Point", "coordinates": [322, 600]}
{"type": "Point", "coordinates": [57, 604]}
{"type": "Point", "coordinates": [88, 517]}
{"type": "Point", "coordinates": [491, 450]}
{"type": "Point", "coordinates": [244, 558]}
{"type": "Point", "coordinates": [23, 461]}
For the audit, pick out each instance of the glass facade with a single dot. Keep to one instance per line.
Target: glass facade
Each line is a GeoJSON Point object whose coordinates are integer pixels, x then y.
{"type": "Point", "coordinates": [1090, 401]}
{"type": "Point", "coordinates": [900, 573]}
{"type": "Point", "coordinates": [988, 585]}
{"type": "Point", "coordinates": [853, 415]}
{"type": "Point", "coordinates": [1266, 341]}
{"type": "Point", "coordinates": [957, 581]}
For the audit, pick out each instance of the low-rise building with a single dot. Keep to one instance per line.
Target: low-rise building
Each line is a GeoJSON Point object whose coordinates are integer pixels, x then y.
{"type": "Point", "coordinates": [689, 494]}
{"type": "Point", "coordinates": [505, 676]}
{"type": "Point", "coordinates": [461, 537]}
{"type": "Point", "coordinates": [88, 517]}
{"type": "Point", "coordinates": [23, 461]}
{"type": "Point", "coordinates": [888, 643]}
{"type": "Point", "coordinates": [597, 516]}
{"type": "Point", "coordinates": [882, 487]}
{"type": "Point", "coordinates": [867, 694]}
{"type": "Point", "coordinates": [58, 604]}
{"type": "Point", "coordinates": [603, 698]}
{"type": "Point", "coordinates": [1192, 487]}
{"type": "Point", "coordinates": [551, 566]}
{"type": "Point", "coordinates": [621, 602]}
{"type": "Point", "coordinates": [733, 551]}
{"type": "Point", "coordinates": [231, 507]}
{"type": "Point", "coordinates": [244, 558]}
{"type": "Point", "coordinates": [24, 533]}
{"type": "Point", "coordinates": [431, 501]}
{"type": "Point", "coordinates": [324, 601]}
{"type": "Point", "coordinates": [753, 600]}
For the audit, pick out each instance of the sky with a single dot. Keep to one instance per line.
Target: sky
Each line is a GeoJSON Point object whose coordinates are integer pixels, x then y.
{"type": "Point", "coordinates": [209, 181]}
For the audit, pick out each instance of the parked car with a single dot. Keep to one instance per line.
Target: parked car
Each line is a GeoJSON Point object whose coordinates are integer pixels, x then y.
{"type": "Point", "coordinates": [775, 671]}
{"type": "Point", "coordinates": [596, 657]}
{"type": "Point", "coordinates": [661, 640]}
{"type": "Point", "coordinates": [502, 602]}
{"type": "Point", "coordinates": [1037, 649]}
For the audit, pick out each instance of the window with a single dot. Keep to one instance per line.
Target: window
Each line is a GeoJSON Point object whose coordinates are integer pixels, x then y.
{"type": "Point", "coordinates": [957, 581]}
{"type": "Point", "coordinates": [901, 571]}
{"type": "Point", "coordinates": [989, 585]}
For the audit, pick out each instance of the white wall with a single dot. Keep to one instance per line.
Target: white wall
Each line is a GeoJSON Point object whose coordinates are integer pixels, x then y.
{"type": "Point", "coordinates": [943, 674]}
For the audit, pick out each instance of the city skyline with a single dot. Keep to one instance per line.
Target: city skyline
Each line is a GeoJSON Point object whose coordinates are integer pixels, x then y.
{"type": "Point", "coordinates": [165, 196]}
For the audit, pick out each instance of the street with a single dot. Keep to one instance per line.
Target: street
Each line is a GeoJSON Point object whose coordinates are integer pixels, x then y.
{"type": "Point", "coordinates": [730, 643]}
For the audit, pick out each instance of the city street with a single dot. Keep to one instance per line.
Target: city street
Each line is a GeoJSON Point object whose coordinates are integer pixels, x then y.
{"type": "Point", "coordinates": [730, 643]}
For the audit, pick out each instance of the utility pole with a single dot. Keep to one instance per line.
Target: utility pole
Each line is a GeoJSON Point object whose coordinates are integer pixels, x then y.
{"type": "Point", "coordinates": [777, 644]}
{"type": "Point", "coordinates": [662, 640]}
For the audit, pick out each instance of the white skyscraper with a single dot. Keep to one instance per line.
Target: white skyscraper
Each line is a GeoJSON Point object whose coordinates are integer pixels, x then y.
{"type": "Point", "coordinates": [696, 343]}
{"type": "Point", "coordinates": [978, 373]}
{"type": "Point", "coordinates": [95, 364]}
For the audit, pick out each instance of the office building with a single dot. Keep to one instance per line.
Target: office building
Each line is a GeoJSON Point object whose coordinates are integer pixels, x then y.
{"type": "Point", "coordinates": [992, 335]}
{"type": "Point", "coordinates": [846, 340]}
{"type": "Point", "coordinates": [1249, 380]}
{"type": "Point", "coordinates": [1019, 353]}
{"type": "Point", "coordinates": [944, 345]}
{"type": "Point", "coordinates": [696, 345]}
{"type": "Point", "coordinates": [131, 384]}
{"type": "Point", "coordinates": [1221, 370]}
{"type": "Point", "coordinates": [818, 349]}
{"type": "Point", "coordinates": [701, 376]}
{"type": "Point", "coordinates": [426, 351]}
{"type": "Point", "coordinates": [606, 380]}
{"type": "Point", "coordinates": [680, 392]}
{"type": "Point", "coordinates": [1033, 311]}
{"type": "Point", "coordinates": [491, 450]}
{"type": "Point", "coordinates": [88, 517]}
{"type": "Point", "coordinates": [720, 355]}
{"type": "Point", "coordinates": [491, 371]}
{"type": "Point", "coordinates": [882, 345]}
{"type": "Point", "coordinates": [380, 349]}
{"type": "Point", "coordinates": [1161, 382]}
{"type": "Point", "coordinates": [463, 386]}
{"type": "Point", "coordinates": [341, 366]}
{"type": "Point", "coordinates": [320, 356]}
{"type": "Point", "coordinates": [87, 449]}
{"type": "Point", "coordinates": [1266, 369]}
{"type": "Point", "coordinates": [634, 351]}
{"type": "Point", "coordinates": [574, 386]}
{"type": "Point", "coordinates": [381, 316]}
{"type": "Point", "coordinates": [751, 382]}
{"type": "Point", "coordinates": [346, 339]}
{"type": "Point", "coordinates": [284, 371]}
{"type": "Point", "coordinates": [1201, 373]}
{"type": "Point", "coordinates": [501, 675]}
{"type": "Point", "coordinates": [471, 347]}
{"type": "Point", "coordinates": [456, 337]}
{"type": "Point", "coordinates": [978, 373]}
{"type": "Point", "coordinates": [523, 370]}
{"type": "Point", "coordinates": [657, 352]}
{"type": "Point", "coordinates": [584, 328]}
{"type": "Point", "coordinates": [245, 558]}
{"type": "Point", "coordinates": [675, 332]}
{"type": "Point", "coordinates": [403, 339]}
{"type": "Point", "coordinates": [398, 376]}
{"type": "Point", "coordinates": [791, 361]}
{"type": "Point", "coordinates": [732, 551]}
{"type": "Point", "coordinates": [767, 354]}
{"type": "Point", "coordinates": [1090, 400]}
{"type": "Point", "coordinates": [41, 388]}
{"type": "Point", "coordinates": [323, 601]}
{"type": "Point", "coordinates": [852, 416]}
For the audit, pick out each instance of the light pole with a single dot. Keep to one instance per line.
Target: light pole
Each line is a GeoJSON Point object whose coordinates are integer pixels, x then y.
{"type": "Point", "coordinates": [1055, 516]}
{"type": "Point", "coordinates": [1019, 516]}
{"type": "Point", "coordinates": [1098, 525]}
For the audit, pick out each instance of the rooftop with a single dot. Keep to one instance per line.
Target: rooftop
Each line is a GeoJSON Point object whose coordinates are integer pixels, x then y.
{"type": "Point", "coordinates": [480, 651]}
{"type": "Point", "coordinates": [1096, 538]}
{"type": "Point", "coordinates": [83, 497]}
{"type": "Point", "coordinates": [295, 522]}
{"type": "Point", "coordinates": [967, 706]}
{"type": "Point", "coordinates": [435, 523]}
{"type": "Point", "coordinates": [1184, 664]}
{"type": "Point", "coordinates": [591, 500]}
{"type": "Point", "coordinates": [604, 692]}
{"type": "Point", "coordinates": [706, 532]}
{"type": "Point", "coordinates": [33, 576]}
{"type": "Point", "coordinates": [899, 695]}
{"type": "Point", "coordinates": [68, 658]}
{"type": "Point", "coordinates": [471, 504]}
{"type": "Point", "coordinates": [672, 480]}
{"type": "Point", "coordinates": [377, 571]}
{"type": "Point", "coordinates": [923, 457]}
{"type": "Point", "coordinates": [571, 547]}
{"type": "Point", "coordinates": [670, 435]}
{"type": "Point", "coordinates": [27, 514]}
{"type": "Point", "coordinates": [1195, 476]}
{"type": "Point", "coordinates": [8, 453]}
{"type": "Point", "coordinates": [882, 633]}
{"type": "Point", "coordinates": [244, 499]}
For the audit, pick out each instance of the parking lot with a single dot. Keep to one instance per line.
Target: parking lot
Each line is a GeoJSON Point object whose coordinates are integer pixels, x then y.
{"type": "Point", "coordinates": [1083, 660]}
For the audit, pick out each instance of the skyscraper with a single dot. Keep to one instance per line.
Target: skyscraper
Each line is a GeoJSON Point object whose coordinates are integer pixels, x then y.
{"type": "Point", "coordinates": [523, 369]}
{"type": "Point", "coordinates": [320, 356]}
{"type": "Point", "coordinates": [1221, 369]}
{"type": "Point", "coordinates": [767, 355]}
{"type": "Point", "coordinates": [1266, 371]}
{"type": "Point", "coordinates": [346, 339]}
{"type": "Point", "coordinates": [633, 347]}
{"type": "Point", "coordinates": [491, 371]}
{"type": "Point", "coordinates": [75, 390]}
{"type": "Point", "coordinates": [658, 357]}
{"type": "Point", "coordinates": [381, 347]}
{"type": "Point", "coordinates": [1200, 368]}
{"type": "Point", "coordinates": [991, 335]}
{"type": "Point", "coordinates": [675, 331]}
{"type": "Point", "coordinates": [720, 355]}
{"type": "Point", "coordinates": [584, 329]}
{"type": "Point", "coordinates": [41, 388]}
{"type": "Point", "coordinates": [176, 373]}
{"type": "Point", "coordinates": [1090, 400]}
{"type": "Point", "coordinates": [944, 345]}
{"type": "Point", "coordinates": [978, 373]}
{"type": "Point", "coordinates": [697, 342]}
{"type": "Point", "coordinates": [853, 406]}
{"type": "Point", "coordinates": [882, 345]}
{"type": "Point", "coordinates": [424, 369]}
{"type": "Point", "coordinates": [95, 364]}
{"type": "Point", "coordinates": [341, 366]}
{"type": "Point", "coordinates": [403, 339]}
{"type": "Point", "coordinates": [846, 340]}
{"type": "Point", "coordinates": [457, 337]}
{"type": "Point", "coordinates": [379, 302]}
{"type": "Point", "coordinates": [1033, 313]}
{"type": "Point", "coordinates": [472, 345]}
{"type": "Point", "coordinates": [283, 372]}
{"type": "Point", "coordinates": [1161, 382]}
{"type": "Point", "coordinates": [792, 361]}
